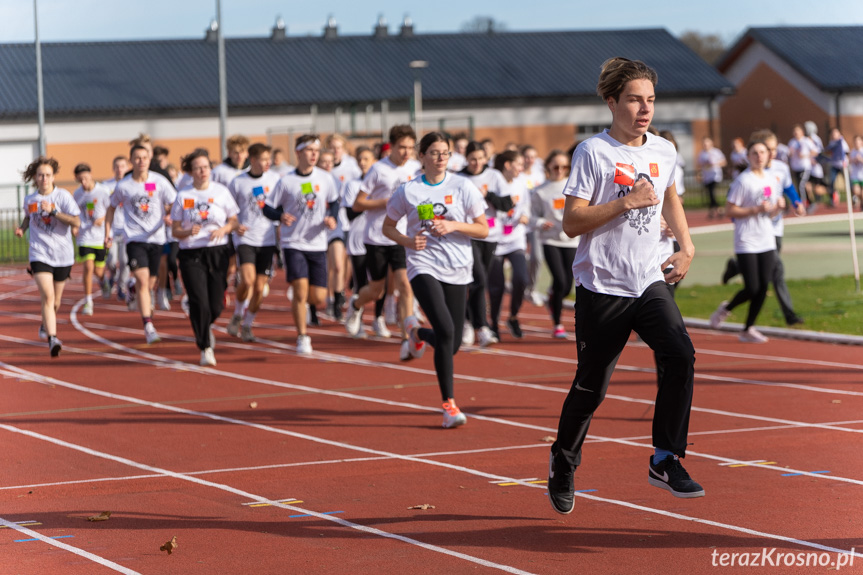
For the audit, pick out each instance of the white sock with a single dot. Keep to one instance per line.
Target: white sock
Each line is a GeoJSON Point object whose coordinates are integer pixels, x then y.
{"type": "Point", "coordinates": [89, 298]}
{"type": "Point", "coordinates": [239, 306]}
{"type": "Point", "coordinates": [248, 319]}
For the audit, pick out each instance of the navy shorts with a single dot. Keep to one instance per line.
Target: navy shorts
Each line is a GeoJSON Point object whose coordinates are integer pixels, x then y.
{"type": "Point", "coordinates": [261, 257]}
{"type": "Point", "coordinates": [379, 258]}
{"type": "Point", "coordinates": [144, 255]}
{"type": "Point", "coordinates": [308, 265]}
{"type": "Point", "coordinates": [60, 274]}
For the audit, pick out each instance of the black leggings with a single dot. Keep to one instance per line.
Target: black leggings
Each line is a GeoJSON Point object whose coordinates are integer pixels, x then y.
{"type": "Point", "coordinates": [496, 284]}
{"type": "Point", "coordinates": [361, 278]}
{"type": "Point", "coordinates": [205, 273]}
{"type": "Point", "coordinates": [443, 305]}
{"type": "Point", "coordinates": [711, 194]}
{"type": "Point", "coordinates": [483, 256]}
{"type": "Point", "coordinates": [559, 262]}
{"type": "Point", "coordinates": [757, 271]}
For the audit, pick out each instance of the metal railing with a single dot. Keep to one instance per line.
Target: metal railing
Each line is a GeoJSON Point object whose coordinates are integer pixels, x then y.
{"type": "Point", "coordinates": [12, 249]}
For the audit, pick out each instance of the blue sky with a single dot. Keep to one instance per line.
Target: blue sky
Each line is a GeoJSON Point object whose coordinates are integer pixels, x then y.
{"type": "Point", "coordinates": [99, 20]}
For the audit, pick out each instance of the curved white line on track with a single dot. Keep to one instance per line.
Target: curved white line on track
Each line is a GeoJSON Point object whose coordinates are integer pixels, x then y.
{"type": "Point", "coordinates": [66, 547]}
{"type": "Point", "coordinates": [260, 499]}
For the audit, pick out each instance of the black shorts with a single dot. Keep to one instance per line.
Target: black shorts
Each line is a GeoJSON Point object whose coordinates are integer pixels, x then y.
{"type": "Point", "coordinates": [60, 274]}
{"type": "Point", "coordinates": [378, 258]}
{"type": "Point", "coordinates": [98, 253]}
{"type": "Point", "coordinates": [310, 265]}
{"type": "Point", "coordinates": [331, 241]}
{"type": "Point", "coordinates": [144, 255]}
{"type": "Point", "coordinates": [261, 256]}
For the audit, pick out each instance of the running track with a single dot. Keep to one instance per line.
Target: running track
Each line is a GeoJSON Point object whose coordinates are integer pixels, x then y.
{"type": "Point", "coordinates": [319, 476]}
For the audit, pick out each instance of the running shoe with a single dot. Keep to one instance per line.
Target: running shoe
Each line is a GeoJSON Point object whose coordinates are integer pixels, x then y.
{"type": "Point", "coordinates": [418, 312]}
{"type": "Point", "coordinates": [752, 335]}
{"type": "Point", "coordinates": [184, 305]}
{"type": "Point", "coordinates": [354, 318]}
{"type": "Point", "coordinates": [514, 328]}
{"type": "Point", "coordinates": [487, 337]}
{"type": "Point", "coordinates": [559, 332]}
{"type": "Point", "coordinates": [536, 298]}
{"type": "Point", "coordinates": [106, 287]}
{"type": "Point", "coordinates": [43, 335]}
{"type": "Point", "coordinates": [304, 345]}
{"type": "Point", "coordinates": [561, 486]}
{"type": "Point", "coordinates": [150, 333]}
{"type": "Point", "coordinates": [88, 308]}
{"type": "Point", "coordinates": [212, 337]}
{"type": "Point", "coordinates": [208, 357]}
{"type": "Point", "coordinates": [234, 325]}
{"type": "Point", "coordinates": [391, 310]}
{"type": "Point", "coordinates": [55, 345]}
{"type": "Point", "coordinates": [379, 326]}
{"type": "Point", "coordinates": [495, 332]}
{"type": "Point", "coordinates": [452, 415]}
{"type": "Point", "coordinates": [794, 320]}
{"type": "Point", "coordinates": [131, 296]}
{"type": "Point", "coordinates": [669, 474]}
{"type": "Point", "coordinates": [162, 300]}
{"type": "Point", "coordinates": [338, 306]}
{"type": "Point", "coordinates": [417, 346]}
{"type": "Point", "coordinates": [720, 315]}
{"type": "Point", "coordinates": [246, 334]}
{"type": "Point", "coordinates": [266, 290]}
{"type": "Point", "coordinates": [468, 335]}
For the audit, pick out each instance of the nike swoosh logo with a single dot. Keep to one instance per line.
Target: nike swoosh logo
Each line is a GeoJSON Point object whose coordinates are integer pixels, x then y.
{"type": "Point", "coordinates": [579, 388]}
{"type": "Point", "coordinates": [663, 477]}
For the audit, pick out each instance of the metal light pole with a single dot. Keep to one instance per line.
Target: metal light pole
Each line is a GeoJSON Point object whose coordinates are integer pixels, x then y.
{"type": "Point", "coordinates": [418, 66]}
{"type": "Point", "coordinates": [223, 83]}
{"type": "Point", "coordinates": [40, 96]}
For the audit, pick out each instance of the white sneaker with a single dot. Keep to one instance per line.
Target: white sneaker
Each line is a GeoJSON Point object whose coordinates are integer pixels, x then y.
{"type": "Point", "coordinates": [162, 300]}
{"type": "Point", "coordinates": [131, 296]}
{"type": "Point", "coordinates": [416, 346]}
{"type": "Point", "coordinates": [752, 335]}
{"type": "Point", "coordinates": [354, 317]}
{"type": "Point", "coordinates": [150, 332]}
{"type": "Point", "coordinates": [468, 335]}
{"type": "Point", "coordinates": [290, 293]}
{"type": "Point", "coordinates": [486, 337]}
{"type": "Point", "coordinates": [234, 325]}
{"type": "Point", "coordinates": [452, 415]}
{"type": "Point", "coordinates": [379, 326]}
{"type": "Point", "coordinates": [405, 350]}
{"type": "Point", "coordinates": [721, 313]}
{"type": "Point", "coordinates": [266, 290]}
{"type": "Point", "coordinates": [536, 298]}
{"type": "Point", "coordinates": [88, 308]}
{"type": "Point", "coordinates": [54, 346]}
{"type": "Point", "coordinates": [212, 337]}
{"type": "Point", "coordinates": [246, 334]}
{"type": "Point", "coordinates": [208, 357]}
{"type": "Point", "coordinates": [43, 335]}
{"type": "Point", "coordinates": [304, 345]}
{"type": "Point", "coordinates": [418, 313]}
{"type": "Point", "coordinates": [391, 310]}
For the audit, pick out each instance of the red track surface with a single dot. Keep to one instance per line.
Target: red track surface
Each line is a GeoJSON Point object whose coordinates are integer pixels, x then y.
{"type": "Point", "coordinates": [353, 436]}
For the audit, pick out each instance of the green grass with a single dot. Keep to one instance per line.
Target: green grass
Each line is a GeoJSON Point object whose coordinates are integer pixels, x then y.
{"type": "Point", "coordinates": [829, 304]}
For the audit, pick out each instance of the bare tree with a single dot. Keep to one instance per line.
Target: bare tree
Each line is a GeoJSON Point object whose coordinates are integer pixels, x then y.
{"type": "Point", "coordinates": [709, 46]}
{"type": "Point", "coordinates": [483, 25]}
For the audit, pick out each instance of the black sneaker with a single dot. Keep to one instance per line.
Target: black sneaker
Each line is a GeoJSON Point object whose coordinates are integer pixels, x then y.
{"type": "Point", "coordinates": [514, 328]}
{"type": "Point", "coordinates": [561, 489]}
{"type": "Point", "coordinates": [669, 474]}
{"type": "Point", "coordinates": [794, 320]}
{"type": "Point", "coordinates": [54, 345]}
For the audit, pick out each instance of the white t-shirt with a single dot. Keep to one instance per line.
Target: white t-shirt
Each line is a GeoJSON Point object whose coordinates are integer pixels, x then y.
{"type": "Point", "coordinates": [679, 168]}
{"type": "Point", "coordinates": [144, 206]}
{"type": "Point", "coordinates": [800, 154]}
{"type": "Point", "coordinates": [383, 179]}
{"type": "Point", "coordinates": [513, 234]}
{"type": "Point", "coordinates": [486, 181]}
{"type": "Point", "coordinates": [456, 163]}
{"type": "Point", "coordinates": [709, 161]}
{"type": "Point", "coordinates": [622, 257]}
{"type": "Point", "coordinates": [93, 205]}
{"type": "Point", "coordinates": [448, 258]}
{"type": "Point", "coordinates": [117, 227]}
{"type": "Point", "coordinates": [535, 178]}
{"type": "Point", "coordinates": [781, 173]}
{"type": "Point", "coordinates": [251, 194]}
{"type": "Point", "coordinates": [210, 208]}
{"type": "Point", "coordinates": [225, 173]}
{"type": "Point", "coordinates": [855, 165]}
{"type": "Point", "coordinates": [305, 198]}
{"type": "Point", "coordinates": [51, 239]}
{"type": "Point", "coordinates": [754, 234]}
{"type": "Point", "coordinates": [347, 170]}
{"type": "Point", "coordinates": [355, 245]}
{"type": "Point", "coordinates": [547, 206]}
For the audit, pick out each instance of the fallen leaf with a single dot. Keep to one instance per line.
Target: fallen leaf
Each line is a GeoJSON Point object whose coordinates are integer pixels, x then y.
{"type": "Point", "coordinates": [253, 405]}
{"type": "Point", "coordinates": [548, 439]}
{"type": "Point", "coordinates": [837, 401]}
{"type": "Point", "coordinates": [104, 516]}
{"type": "Point", "coordinates": [170, 545]}
{"type": "Point", "coordinates": [424, 506]}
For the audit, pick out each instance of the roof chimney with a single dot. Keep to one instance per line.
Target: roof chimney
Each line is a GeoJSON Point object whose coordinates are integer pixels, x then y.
{"type": "Point", "coordinates": [407, 27]}
{"type": "Point", "coordinates": [331, 30]}
{"type": "Point", "coordinates": [280, 31]}
{"type": "Point", "coordinates": [381, 30]}
{"type": "Point", "coordinates": [212, 31]}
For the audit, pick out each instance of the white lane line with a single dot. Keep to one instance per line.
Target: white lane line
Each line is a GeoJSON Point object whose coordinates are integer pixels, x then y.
{"type": "Point", "coordinates": [66, 547]}
{"type": "Point", "coordinates": [260, 499]}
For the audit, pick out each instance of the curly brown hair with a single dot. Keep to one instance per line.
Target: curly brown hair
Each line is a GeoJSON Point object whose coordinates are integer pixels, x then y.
{"type": "Point", "coordinates": [30, 171]}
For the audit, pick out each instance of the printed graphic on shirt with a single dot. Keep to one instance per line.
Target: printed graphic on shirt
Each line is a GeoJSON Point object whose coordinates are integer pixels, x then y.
{"type": "Point", "coordinates": [625, 177]}
{"type": "Point", "coordinates": [428, 212]}
{"type": "Point", "coordinates": [43, 218]}
{"type": "Point", "coordinates": [306, 202]}
{"type": "Point", "coordinates": [258, 198]}
{"type": "Point", "coordinates": [141, 206]}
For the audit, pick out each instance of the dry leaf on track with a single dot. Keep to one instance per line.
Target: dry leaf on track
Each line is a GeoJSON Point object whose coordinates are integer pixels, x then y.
{"type": "Point", "coordinates": [170, 545]}
{"type": "Point", "coordinates": [104, 516]}
{"type": "Point", "coordinates": [253, 405]}
{"type": "Point", "coordinates": [548, 439]}
{"type": "Point", "coordinates": [424, 506]}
